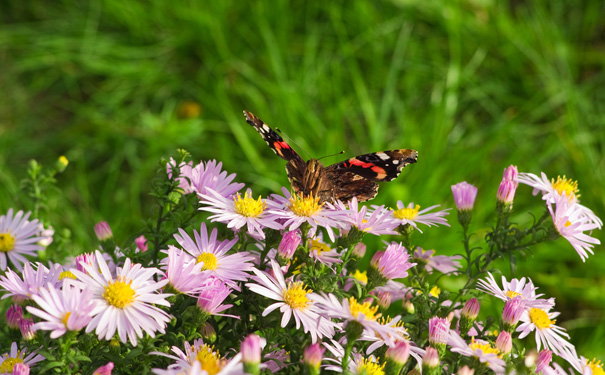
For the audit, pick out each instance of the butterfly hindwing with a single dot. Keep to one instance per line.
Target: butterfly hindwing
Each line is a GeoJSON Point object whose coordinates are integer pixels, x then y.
{"type": "Point", "coordinates": [378, 166]}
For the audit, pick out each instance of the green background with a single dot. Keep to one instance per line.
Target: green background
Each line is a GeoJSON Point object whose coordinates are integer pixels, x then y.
{"type": "Point", "coordinates": [474, 86]}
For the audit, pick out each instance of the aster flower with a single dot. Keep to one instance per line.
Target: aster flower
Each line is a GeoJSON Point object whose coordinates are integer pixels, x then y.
{"type": "Point", "coordinates": [523, 287]}
{"type": "Point", "coordinates": [411, 215]}
{"type": "Point", "coordinates": [548, 334]}
{"type": "Point", "coordinates": [507, 188]}
{"type": "Point", "coordinates": [183, 272]}
{"type": "Point", "coordinates": [184, 177]}
{"type": "Point", "coordinates": [209, 176]}
{"type": "Point", "coordinates": [288, 244]}
{"type": "Point", "coordinates": [8, 360]}
{"type": "Point", "coordinates": [141, 243]}
{"type": "Point", "coordinates": [479, 349]}
{"type": "Point", "coordinates": [104, 370]}
{"type": "Point", "coordinates": [201, 355]}
{"type": "Point", "coordinates": [571, 223]}
{"type": "Point", "coordinates": [276, 359]}
{"type": "Point", "coordinates": [295, 210]}
{"type": "Point", "coordinates": [464, 196]}
{"type": "Point", "coordinates": [441, 263]}
{"type": "Point", "coordinates": [293, 300]}
{"type": "Point", "coordinates": [439, 331]}
{"type": "Point", "coordinates": [350, 310]}
{"type": "Point", "coordinates": [321, 252]}
{"type": "Point", "coordinates": [378, 221]}
{"type": "Point", "coordinates": [552, 189]}
{"type": "Point", "coordinates": [61, 310]}
{"type": "Point", "coordinates": [239, 211]}
{"type": "Point", "coordinates": [358, 364]}
{"type": "Point", "coordinates": [21, 289]}
{"type": "Point", "coordinates": [124, 303]}
{"type": "Point", "coordinates": [18, 237]}
{"type": "Point", "coordinates": [393, 263]}
{"type": "Point", "coordinates": [213, 253]}
{"type": "Point", "coordinates": [212, 296]}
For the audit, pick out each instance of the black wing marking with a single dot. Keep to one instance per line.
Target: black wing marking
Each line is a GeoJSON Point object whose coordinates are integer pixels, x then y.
{"type": "Point", "coordinates": [277, 143]}
{"type": "Point", "coordinates": [378, 166]}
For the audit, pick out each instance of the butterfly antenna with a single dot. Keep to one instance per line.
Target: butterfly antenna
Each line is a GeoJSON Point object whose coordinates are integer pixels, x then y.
{"type": "Point", "coordinates": [292, 141]}
{"type": "Point", "coordinates": [327, 156]}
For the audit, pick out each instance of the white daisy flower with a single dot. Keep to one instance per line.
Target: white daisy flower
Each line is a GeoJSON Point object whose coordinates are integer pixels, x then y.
{"type": "Point", "coordinates": [124, 303]}
{"type": "Point", "coordinates": [413, 216]}
{"type": "Point", "coordinates": [523, 287]}
{"type": "Point", "coordinates": [35, 277]}
{"type": "Point", "coordinates": [547, 333]}
{"type": "Point", "coordinates": [293, 300]}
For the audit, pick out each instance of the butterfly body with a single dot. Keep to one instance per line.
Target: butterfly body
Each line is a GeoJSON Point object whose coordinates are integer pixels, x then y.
{"type": "Point", "coordinates": [354, 177]}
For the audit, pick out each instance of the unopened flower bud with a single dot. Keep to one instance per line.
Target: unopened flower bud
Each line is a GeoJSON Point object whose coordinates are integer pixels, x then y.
{"type": "Point", "coordinates": [464, 197]}
{"type": "Point", "coordinates": [288, 245]}
{"type": "Point", "coordinates": [312, 357]}
{"type": "Point", "coordinates": [430, 361]}
{"type": "Point", "coordinates": [384, 299]}
{"type": "Point", "coordinates": [504, 343]}
{"type": "Point", "coordinates": [465, 370]}
{"type": "Point", "coordinates": [513, 309]}
{"type": "Point", "coordinates": [104, 370]}
{"type": "Point", "coordinates": [543, 360]}
{"type": "Point", "coordinates": [469, 314]}
{"type": "Point", "coordinates": [359, 250]}
{"type": "Point", "coordinates": [141, 243]}
{"type": "Point", "coordinates": [530, 359]}
{"type": "Point", "coordinates": [439, 331]}
{"type": "Point", "coordinates": [13, 316]}
{"type": "Point", "coordinates": [251, 354]}
{"type": "Point", "coordinates": [20, 369]}
{"type": "Point", "coordinates": [103, 231]}
{"type": "Point", "coordinates": [25, 325]}
{"type": "Point", "coordinates": [399, 353]}
{"type": "Point", "coordinates": [61, 164]}
{"type": "Point", "coordinates": [208, 332]}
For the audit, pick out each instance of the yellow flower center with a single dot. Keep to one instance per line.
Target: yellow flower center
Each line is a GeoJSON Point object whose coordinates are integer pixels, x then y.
{"type": "Point", "coordinates": [370, 312]}
{"type": "Point", "coordinates": [67, 274]}
{"type": "Point", "coordinates": [406, 213]}
{"type": "Point", "coordinates": [247, 206]}
{"type": "Point", "coordinates": [361, 276]}
{"type": "Point", "coordinates": [209, 259]}
{"type": "Point", "coordinates": [295, 295]}
{"type": "Point", "coordinates": [9, 363]}
{"type": "Point", "coordinates": [540, 318]}
{"type": "Point", "coordinates": [319, 247]}
{"type": "Point", "coordinates": [511, 294]}
{"type": "Point", "coordinates": [119, 293]}
{"type": "Point", "coordinates": [304, 206]}
{"type": "Point", "coordinates": [566, 186]}
{"type": "Point", "coordinates": [596, 367]}
{"type": "Point", "coordinates": [7, 242]}
{"type": "Point", "coordinates": [210, 360]}
{"type": "Point", "coordinates": [66, 318]}
{"type": "Point", "coordinates": [485, 347]}
{"type": "Point", "coordinates": [368, 367]}
{"type": "Point", "coordinates": [435, 291]}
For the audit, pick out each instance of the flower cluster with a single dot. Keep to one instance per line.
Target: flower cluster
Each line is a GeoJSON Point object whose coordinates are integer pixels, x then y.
{"type": "Point", "coordinates": [287, 284]}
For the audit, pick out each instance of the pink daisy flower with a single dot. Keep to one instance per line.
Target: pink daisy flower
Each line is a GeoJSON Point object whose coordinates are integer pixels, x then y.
{"type": "Point", "coordinates": [441, 263]}
{"type": "Point", "coordinates": [294, 210]}
{"type": "Point", "coordinates": [321, 252]}
{"type": "Point", "coordinates": [523, 287]}
{"type": "Point", "coordinates": [34, 279]}
{"type": "Point", "coordinates": [203, 355]}
{"type": "Point", "coordinates": [548, 334]}
{"type": "Point", "coordinates": [479, 349]}
{"type": "Point", "coordinates": [19, 237]}
{"type": "Point", "coordinates": [68, 309]}
{"type": "Point", "coordinates": [393, 263]}
{"type": "Point", "coordinates": [411, 215]}
{"type": "Point", "coordinates": [183, 273]}
{"type": "Point", "coordinates": [124, 303]}
{"type": "Point", "coordinates": [213, 254]}
{"type": "Point", "coordinates": [209, 176]}
{"type": "Point", "coordinates": [211, 298]}
{"type": "Point", "coordinates": [379, 221]}
{"type": "Point", "coordinates": [10, 359]}
{"type": "Point", "coordinates": [239, 211]}
{"type": "Point", "coordinates": [293, 299]}
{"type": "Point", "coordinates": [571, 223]}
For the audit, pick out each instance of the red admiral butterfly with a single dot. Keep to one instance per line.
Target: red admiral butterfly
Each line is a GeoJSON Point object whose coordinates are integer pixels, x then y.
{"type": "Point", "coordinates": [354, 177]}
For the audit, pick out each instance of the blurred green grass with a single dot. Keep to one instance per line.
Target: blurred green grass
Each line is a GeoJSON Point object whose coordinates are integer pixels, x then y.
{"type": "Point", "coordinates": [473, 85]}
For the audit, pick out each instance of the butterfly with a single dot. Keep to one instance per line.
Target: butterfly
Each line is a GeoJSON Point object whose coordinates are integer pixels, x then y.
{"type": "Point", "coordinates": [354, 177]}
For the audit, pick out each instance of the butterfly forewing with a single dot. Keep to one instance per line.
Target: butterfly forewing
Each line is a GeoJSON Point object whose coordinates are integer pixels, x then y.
{"type": "Point", "coordinates": [378, 166]}
{"type": "Point", "coordinates": [275, 142]}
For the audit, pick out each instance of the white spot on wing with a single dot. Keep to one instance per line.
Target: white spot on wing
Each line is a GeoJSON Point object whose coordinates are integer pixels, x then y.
{"type": "Point", "coordinates": [382, 155]}
{"type": "Point", "coordinates": [395, 161]}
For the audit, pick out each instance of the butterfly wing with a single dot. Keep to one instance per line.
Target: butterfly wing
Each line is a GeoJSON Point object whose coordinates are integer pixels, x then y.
{"type": "Point", "coordinates": [378, 166]}
{"type": "Point", "coordinates": [345, 185]}
{"type": "Point", "coordinates": [277, 143]}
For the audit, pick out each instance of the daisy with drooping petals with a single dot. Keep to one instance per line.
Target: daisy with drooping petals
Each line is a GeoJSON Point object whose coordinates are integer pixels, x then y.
{"type": "Point", "coordinates": [379, 221]}
{"type": "Point", "coordinates": [295, 210]}
{"type": "Point", "coordinates": [571, 222]}
{"type": "Point", "coordinates": [10, 359]}
{"type": "Point", "coordinates": [213, 253]}
{"type": "Point", "coordinates": [479, 349]}
{"type": "Point", "coordinates": [441, 263]}
{"type": "Point", "coordinates": [552, 189]}
{"type": "Point", "coordinates": [293, 299]}
{"type": "Point", "coordinates": [124, 303]}
{"type": "Point", "coordinates": [523, 287]}
{"type": "Point", "coordinates": [18, 237]}
{"type": "Point", "coordinates": [547, 333]}
{"type": "Point", "coordinates": [183, 272]}
{"type": "Point", "coordinates": [35, 277]}
{"type": "Point", "coordinates": [239, 211]}
{"type": "Point", "coordinates": [411, 215]}
{"type": "Point", "coordinates": [68, 309]}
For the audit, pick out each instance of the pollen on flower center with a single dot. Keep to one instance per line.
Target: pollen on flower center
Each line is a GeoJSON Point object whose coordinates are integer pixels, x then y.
{"type": "Point", "coordinates": [209, 259]}
{"type": "Point", "coordinates": [369, 312]}
{"type": "Point", "coordinates": [9, 364]}
{"type": "Point", "coordinates": [406, 213]}
{"type": "Point", "coordinates": [540, 318]}
{"type": "Point", "coordinates": [210, 360]}
{"type": "Point", "coordinates": [304, 206]}
{"type": "Point", "coordinates": [596, 367]}
{"type": "Point", "coordinates": [295, 295]}
{"type": "Point", "coordinates": [566, 186]}
{"type": "Point", "coordinates": [119, 293]}
{"type": "Point", "coordinates": [485, 347]}
{"type": "Point", "coordinates": [7, 242]}
{"type": "Point", "coordinates": [319, 247]}
{"type": "Point", "coordinates": [370, 368]}
{"type": "Point", "coordinates": [248, 206]}
{"type": "Point", "coordinates": [512, 294]}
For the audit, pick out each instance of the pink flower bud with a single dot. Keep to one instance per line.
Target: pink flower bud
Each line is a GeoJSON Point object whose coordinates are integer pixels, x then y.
{"type": "Point", "coordinates": [544, 358]}
{"type": "Point", "coordinates": [20, 369]}
{"type": "Point", "coordinates": [141, 243]}
{"type": "Point", "coordinates": [13, 316]}
{"type": "Point", "coordinates": [466, 371]}
{"type": "Point", "coordinates": [25, 325]}
{"type": "Point", "coordinates": [504, 342]}
{"type": "Point", "coordinates": [439, 331]}
{"type": "Point", "coordinates": [251, 349]}
{"type": "Point", "coordinates": [288, 244]}
{"type": "Point", "coordinates": [103, 231]}
{"type": "Point", "coordinates": [313, 355]}
{"type": "Point", "coordinates": [464, 196]}
{"type": "Point", "coordinates": [513, 309]}
{"type": "Point", "coordinates": [104, 370]}
{"type": "Point", "coordinates": [431, 358]}
{"type": "Point", "coordinates": [471, 308]}
{"type": "Point", "coordinates": [399, 353]}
